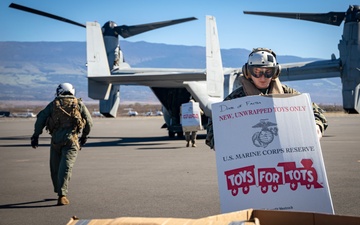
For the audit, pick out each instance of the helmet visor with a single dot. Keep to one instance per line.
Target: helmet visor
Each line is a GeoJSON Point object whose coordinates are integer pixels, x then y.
{"type": "Point", "coordinates": [258, 71]}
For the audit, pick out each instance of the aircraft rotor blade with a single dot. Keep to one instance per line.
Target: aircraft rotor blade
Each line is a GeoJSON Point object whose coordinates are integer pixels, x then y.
{"type": "Point", "coordinates": [331, 18]}
{"type": "Point", "coordinates": [128, 31]}
{"type": "Point", "coordinates": [41, 13]}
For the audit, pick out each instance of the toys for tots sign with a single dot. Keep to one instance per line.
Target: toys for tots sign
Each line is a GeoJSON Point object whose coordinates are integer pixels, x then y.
{"type": "Point", "coordinates": [268, 155]}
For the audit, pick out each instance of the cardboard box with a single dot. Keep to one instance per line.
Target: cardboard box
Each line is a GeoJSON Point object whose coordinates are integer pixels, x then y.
{"type": "Point", "coordinates": [267, 148]}
{"type": "Point", "coordinates": [191, 117]}
{"type": "Point", "coordinates": [243, 217]}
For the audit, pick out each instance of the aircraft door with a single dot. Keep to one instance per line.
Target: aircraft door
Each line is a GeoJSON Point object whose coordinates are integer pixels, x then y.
{"type": "Point", "coordinates": [171, 99]}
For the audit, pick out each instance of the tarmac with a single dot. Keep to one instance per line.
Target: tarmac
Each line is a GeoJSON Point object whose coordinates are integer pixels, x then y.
{"type": "Point", "coordinates": [131, 168]}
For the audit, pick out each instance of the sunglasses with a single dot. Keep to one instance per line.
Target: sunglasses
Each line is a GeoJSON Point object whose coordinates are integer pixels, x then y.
{"type": "Point", "coordinates": [257, 71]}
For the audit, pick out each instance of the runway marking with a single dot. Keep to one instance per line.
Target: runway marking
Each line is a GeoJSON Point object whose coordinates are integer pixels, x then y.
{"type": "Point", "coordinates": [22, 160]}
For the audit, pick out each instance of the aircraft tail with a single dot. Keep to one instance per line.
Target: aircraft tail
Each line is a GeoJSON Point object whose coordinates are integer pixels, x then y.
{"type": "Point", "coordinates": [211, 91]}
{"type": "Point", "coordinates": [214, 68]}
{"type": "Point", "coordinates": [98, 65]}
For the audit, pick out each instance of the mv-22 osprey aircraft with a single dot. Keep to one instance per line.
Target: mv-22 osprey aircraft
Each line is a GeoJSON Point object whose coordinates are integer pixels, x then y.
{"type": "Point", "coordinates": [107, 68]}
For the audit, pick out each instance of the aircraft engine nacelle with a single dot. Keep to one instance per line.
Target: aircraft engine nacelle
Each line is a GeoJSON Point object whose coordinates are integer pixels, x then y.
{"type": "Point", "coordinates": [110, 107]}
{"type": "Point", "coordinates": [357, 98]}
{"type": "Point", "coordinates": [349, 48]}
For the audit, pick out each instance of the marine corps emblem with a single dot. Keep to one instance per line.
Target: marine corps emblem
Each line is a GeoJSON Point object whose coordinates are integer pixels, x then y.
{"type": "Point", "coordinates": [264, 137]}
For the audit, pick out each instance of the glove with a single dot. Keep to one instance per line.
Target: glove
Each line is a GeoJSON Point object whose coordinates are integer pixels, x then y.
{"type": "Point", "coordinates": [34, 142]}
{"type": "Point", "coordinates": [82, 140]}
{"type": "Point", "coordinates": [318, 132]}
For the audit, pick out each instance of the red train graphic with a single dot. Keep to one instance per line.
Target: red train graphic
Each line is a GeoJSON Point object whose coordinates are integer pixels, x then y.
{"type": "Point", "coordinates": [269, 177]}
{"type": "Point", "coordinates": [306, 176]}
{"type": "Point", "coordinates": [244, 177]}
{"type": "Point", "coordinates": [240, 178]}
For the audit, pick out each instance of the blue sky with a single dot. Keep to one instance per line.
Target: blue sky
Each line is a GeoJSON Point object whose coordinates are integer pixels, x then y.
{"type": "Point", "coordinates": [236, 30]}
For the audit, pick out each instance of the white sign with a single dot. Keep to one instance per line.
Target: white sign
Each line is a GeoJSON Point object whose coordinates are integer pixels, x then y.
{"type": "Point", "coordinates": [191, 116]}
{"type": "Point", "coordinates": [268, 155]}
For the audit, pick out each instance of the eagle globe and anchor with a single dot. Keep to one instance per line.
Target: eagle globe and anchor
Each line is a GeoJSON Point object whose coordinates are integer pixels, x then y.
{"type": "Point", "coordinates": [264, 137]}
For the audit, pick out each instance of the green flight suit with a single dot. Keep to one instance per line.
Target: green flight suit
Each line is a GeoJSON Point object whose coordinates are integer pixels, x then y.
{"type": "Point", "coordinates": [64, 145]}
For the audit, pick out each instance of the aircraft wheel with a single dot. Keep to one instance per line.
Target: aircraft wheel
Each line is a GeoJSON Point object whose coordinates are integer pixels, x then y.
{"type": "Point", "coordinates": [171, 134]}
{"type": "Point", "coordinates": [180, 134]}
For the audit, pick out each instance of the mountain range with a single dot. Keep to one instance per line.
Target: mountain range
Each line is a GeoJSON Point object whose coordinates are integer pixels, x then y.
{"type": "Point", "coordinates": [31, 71]}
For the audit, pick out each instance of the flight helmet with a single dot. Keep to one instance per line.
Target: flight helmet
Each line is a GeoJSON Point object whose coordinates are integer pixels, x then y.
{"type": "Point", "coordinates": [265, 59]}
{"type": "Point", "coordinates": [65, 89]}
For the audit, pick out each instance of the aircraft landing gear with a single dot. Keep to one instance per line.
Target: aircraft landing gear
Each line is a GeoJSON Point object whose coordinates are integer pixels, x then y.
{"type": "Point", "coordinates": [172, 134]}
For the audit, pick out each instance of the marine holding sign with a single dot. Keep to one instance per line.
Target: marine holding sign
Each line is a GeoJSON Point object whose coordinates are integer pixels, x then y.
{"type": "Point", "coordinates": [266, 136]}
{"type": "Point", "coordinates": [260, 77]}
